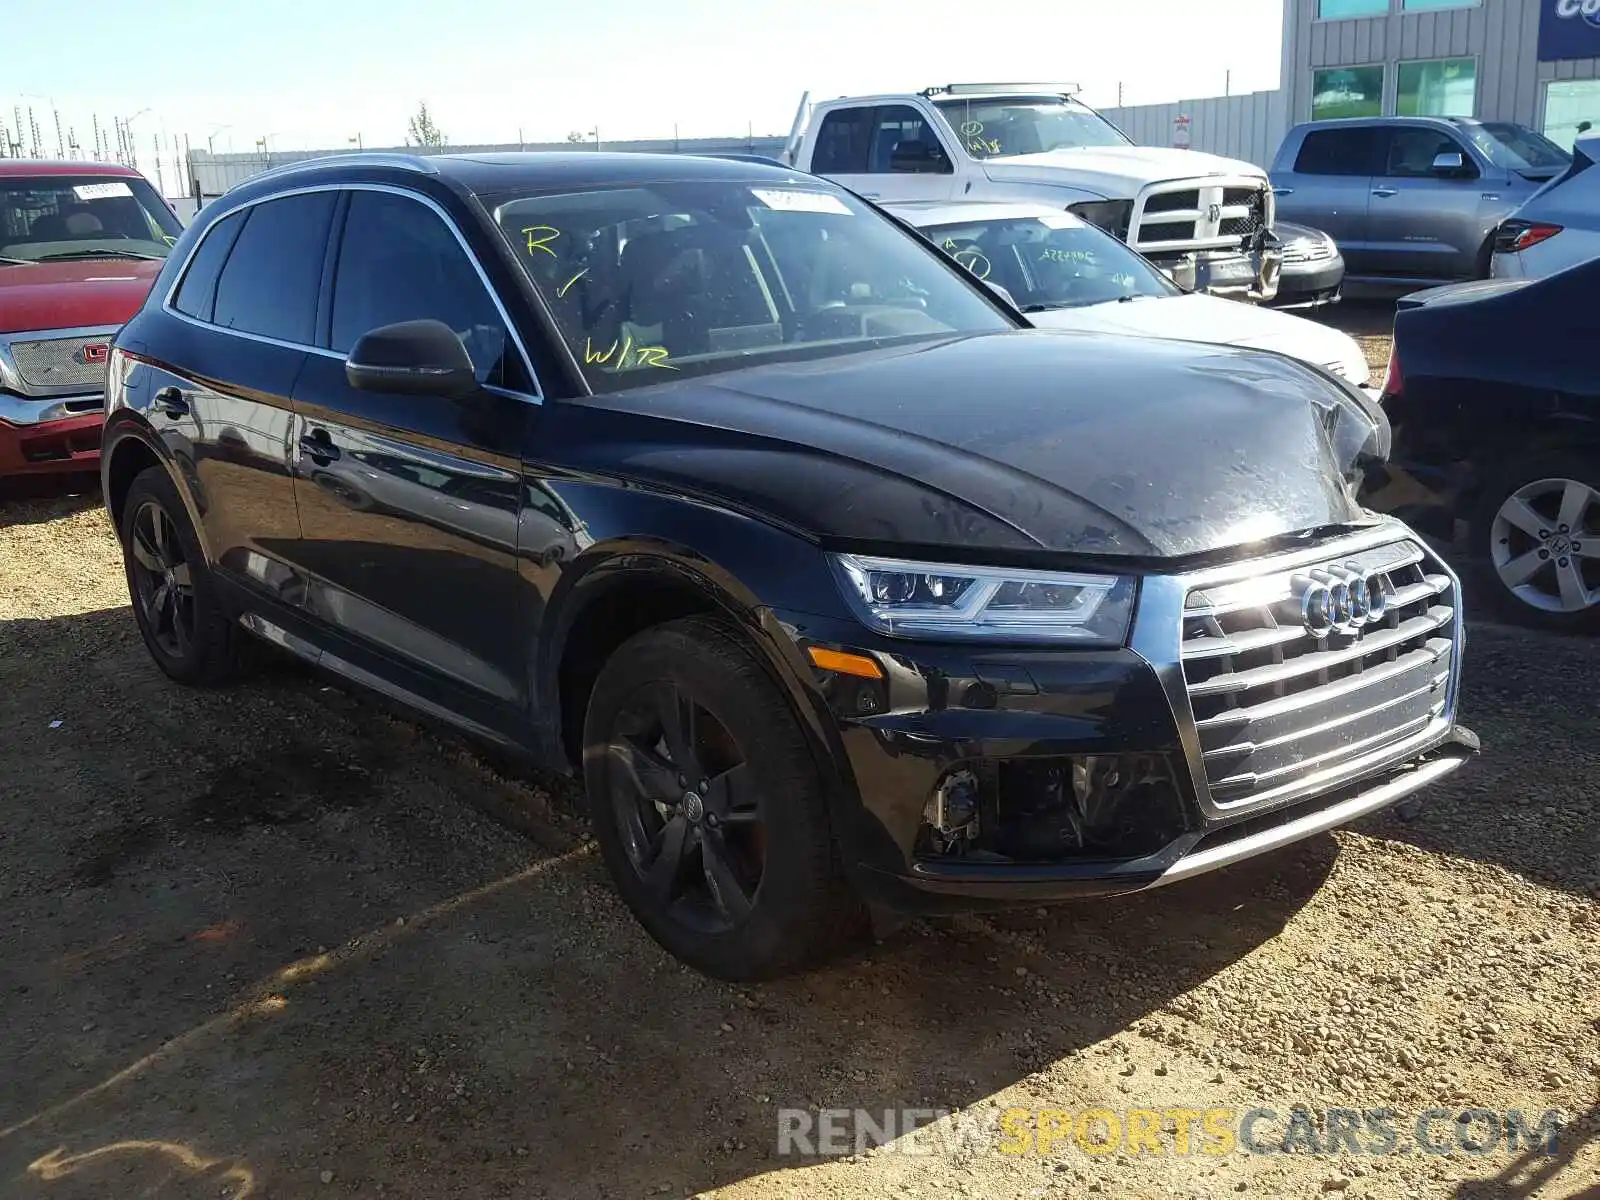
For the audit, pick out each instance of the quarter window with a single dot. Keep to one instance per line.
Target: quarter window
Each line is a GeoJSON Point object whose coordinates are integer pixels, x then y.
{"type": "Point", "coordinates": [198, 290]}
{"type": "Point", "coordinates": [1339, 152]}
{"type": "Point", "coordinates": [842, 142]}
{"type": "Point", "coordinates": [269, 285]}
{"type": "Point", "coordinates": [399, 262]}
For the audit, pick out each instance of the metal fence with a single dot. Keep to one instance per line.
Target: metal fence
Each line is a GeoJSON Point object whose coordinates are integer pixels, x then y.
{"type": "Point", "coordinates": [1248, 126]}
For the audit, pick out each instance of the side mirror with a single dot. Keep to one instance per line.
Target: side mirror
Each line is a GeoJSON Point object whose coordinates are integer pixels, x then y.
{"type": "Point", "coordinates": [1451, 162]}
{"type": "Point", "coordinates": [918, 158]}
{"type": "Point", "coordinates": [412, 358]}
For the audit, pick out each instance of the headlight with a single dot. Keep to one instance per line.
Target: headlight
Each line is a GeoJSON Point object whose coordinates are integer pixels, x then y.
{"type": "Point", "coordinates": [1113, 216]}
{"type": "Point", "coordinates": [945, 600]}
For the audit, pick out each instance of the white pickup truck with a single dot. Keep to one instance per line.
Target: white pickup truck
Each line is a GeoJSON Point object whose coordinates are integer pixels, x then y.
{"type": "Point", "coordinates": [1205, 221]}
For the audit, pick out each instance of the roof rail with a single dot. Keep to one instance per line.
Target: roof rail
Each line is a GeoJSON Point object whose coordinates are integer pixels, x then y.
{"type": "Point", "coordinates": [983, 89]}
{"type": "Point", "coordinates": [360, 158]}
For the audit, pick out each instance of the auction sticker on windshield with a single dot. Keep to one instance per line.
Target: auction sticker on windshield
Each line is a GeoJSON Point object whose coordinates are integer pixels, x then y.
{"type": "Point", "coordinates": [798, 201]}
{"type": "Point", "coordinates": [101, 191]}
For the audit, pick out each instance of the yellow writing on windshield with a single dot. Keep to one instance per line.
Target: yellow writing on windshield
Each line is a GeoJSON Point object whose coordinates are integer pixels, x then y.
{"type": "Point", "coordinates": [972, 131]}
{"type": "Point", "coordinates": [1066, 256]}
{"type": "Point", "coordinates": [562, 290]}
{"type": "Point", "coordinates": [540, 236]}
{"type": "Point", "coordinates": [631, 358]}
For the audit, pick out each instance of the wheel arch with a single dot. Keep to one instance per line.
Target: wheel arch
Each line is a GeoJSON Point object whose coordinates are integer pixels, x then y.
{"type": "Point", "coordinates": [128, 448]}
{"type": "Point", "coordinates": [617, 590]}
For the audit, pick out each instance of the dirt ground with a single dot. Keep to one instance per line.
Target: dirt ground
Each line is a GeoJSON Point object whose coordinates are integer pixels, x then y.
{"type": "Point", "coordinates": [275, 941]}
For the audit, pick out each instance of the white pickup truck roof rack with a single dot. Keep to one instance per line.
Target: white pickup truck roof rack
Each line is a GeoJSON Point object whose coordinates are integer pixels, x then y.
{"type": "Point", "coordinates": [1003, 89]}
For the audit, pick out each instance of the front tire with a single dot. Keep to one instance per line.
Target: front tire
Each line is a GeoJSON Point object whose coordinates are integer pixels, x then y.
{"type": "Point", "coordinates": [175, 599]}
{"type": "Point", "coordinates": [1538, 529]}
{"type": "Point", "coordinates": [708, 807]}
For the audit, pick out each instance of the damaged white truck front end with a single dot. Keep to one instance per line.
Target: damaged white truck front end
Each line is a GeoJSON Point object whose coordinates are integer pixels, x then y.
{"type": "Point", "coordinates": [1206, 221]}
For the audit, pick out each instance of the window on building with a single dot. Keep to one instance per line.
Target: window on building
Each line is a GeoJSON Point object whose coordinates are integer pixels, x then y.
{"type": "Point", "coordinates": [1347, 92]}
{"type": "Point", "coordinates": [1337, 10]}
{"type": "Point", "coordinates": [1446, 87]}
{"type": "Point", "coordinates": [1568, 105]}
{"type": "Point", "coordinates": [1430, 5]}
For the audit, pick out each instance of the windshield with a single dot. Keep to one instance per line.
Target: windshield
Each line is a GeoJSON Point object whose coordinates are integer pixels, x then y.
{"type": "Point", "coordinates": [1516, 147]}
{"type": "Point", "coordinates": [993, 128]}
{"type": "Point", "coordinates": [651, 283]}
{"type": "Point", "coordinates": [1051, 261]}
{"type": "Point", "coordinates": [58, 218]}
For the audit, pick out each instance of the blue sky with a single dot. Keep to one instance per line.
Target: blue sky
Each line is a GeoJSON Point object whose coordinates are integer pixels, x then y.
{"type": "Point", "coordinates": [314, 74]}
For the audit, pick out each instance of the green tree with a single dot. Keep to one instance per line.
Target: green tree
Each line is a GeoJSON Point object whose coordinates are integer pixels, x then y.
{"type": "Point", "coordinates": [421, 131]}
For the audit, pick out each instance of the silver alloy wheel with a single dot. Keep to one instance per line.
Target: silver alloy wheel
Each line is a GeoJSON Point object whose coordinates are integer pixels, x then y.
{"type": "Point", "coordinates": [1545, 545]}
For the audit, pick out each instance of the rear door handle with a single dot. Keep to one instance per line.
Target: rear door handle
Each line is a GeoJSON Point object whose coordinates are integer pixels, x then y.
{"type": "Point", "coordinates": [1385, 193]}
{"type": "Point", "coordinates": [318, 447]}
{"type": "Point", "coordinates": [1278, 191]}
{"type": "Point", "coordinates": [171, 402]}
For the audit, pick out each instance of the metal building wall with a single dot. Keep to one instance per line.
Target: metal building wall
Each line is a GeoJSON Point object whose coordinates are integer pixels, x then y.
{"type": "Point", "coordinates": [1248, 126]}
{"type": "Point", "coordinates": [1503, 35]}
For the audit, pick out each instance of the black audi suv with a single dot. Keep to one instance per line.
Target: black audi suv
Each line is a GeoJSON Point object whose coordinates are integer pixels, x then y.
{"type": "Point", "coordinates": [838, 586]}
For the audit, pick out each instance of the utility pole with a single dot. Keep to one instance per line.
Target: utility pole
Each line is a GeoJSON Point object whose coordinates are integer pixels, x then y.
{"type": "Point", "coordinates": [1119, 93]}
{"type": "Point", "coordinates": [1227, 83]}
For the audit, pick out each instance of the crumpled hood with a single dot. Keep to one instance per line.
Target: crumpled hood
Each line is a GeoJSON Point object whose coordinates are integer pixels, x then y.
{"type": "Point", "coordinates": [1212, 319]}
{"type": "Point", "coordinates": [1021, 441]}
{"type": "Point", "coordinates": [67, 295]}
{"type": "Point", "coordinates": [1117, 172]}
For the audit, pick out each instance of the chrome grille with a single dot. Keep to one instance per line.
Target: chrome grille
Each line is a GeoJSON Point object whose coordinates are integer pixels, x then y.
{"type": "Point", "coordinates": [1253, 201]}
{"type": "Point", "coordinates": [1304, 252]}
{"type": "Point", "coordinates": [1275, 704]}
{"type": "Point", "coordinates": [57, 362]}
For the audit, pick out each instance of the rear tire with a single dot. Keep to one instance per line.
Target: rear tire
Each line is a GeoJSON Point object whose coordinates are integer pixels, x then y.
{"type": "Point", "coordinates": [740, 878]}
{"type": "Point", "coordinates": [175, 599]}
{"type": "Point", "coordinates": [1538, 531]}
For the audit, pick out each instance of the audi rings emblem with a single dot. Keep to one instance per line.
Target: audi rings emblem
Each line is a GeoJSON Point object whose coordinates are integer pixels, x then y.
{"type": "Point", "coordinates": [1340, 600]}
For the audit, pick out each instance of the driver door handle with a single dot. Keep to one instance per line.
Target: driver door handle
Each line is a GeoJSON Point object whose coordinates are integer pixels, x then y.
{"type": "Point", "coordinates": [318, 447]}
{"type": "Point", "coordinates": [1385, 193]}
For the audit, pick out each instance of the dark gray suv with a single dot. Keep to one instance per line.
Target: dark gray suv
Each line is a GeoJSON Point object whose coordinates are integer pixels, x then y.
{"type": "Point", "coordinates": [1411, 199]}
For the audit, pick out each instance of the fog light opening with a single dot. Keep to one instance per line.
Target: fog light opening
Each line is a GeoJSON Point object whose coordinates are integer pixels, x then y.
{"type": "Point", "coordinates": [951, 823]}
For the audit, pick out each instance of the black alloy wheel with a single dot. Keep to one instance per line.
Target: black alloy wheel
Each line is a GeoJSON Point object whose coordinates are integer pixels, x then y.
{"type": "Point", "coordinates": [179, 611]}
{"type": "Point", "coordinates": [691, 820]}
{"type": "Point", "coordinates": [163, 583]}
{"type": "Point", "coordinates": [709, 807]}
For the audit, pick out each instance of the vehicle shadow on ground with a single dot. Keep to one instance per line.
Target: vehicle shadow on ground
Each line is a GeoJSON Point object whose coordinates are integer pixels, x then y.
{"type": "Point", "coordinates": [267, 933]}
{"type": "Point", "coordinates": [1531, 698]}
{"type": "Point", "coordinates": [1529, 1174]}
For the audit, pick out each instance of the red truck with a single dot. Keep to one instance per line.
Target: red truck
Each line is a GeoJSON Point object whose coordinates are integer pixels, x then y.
{"type": "Point", "coordinates": [80, 246]}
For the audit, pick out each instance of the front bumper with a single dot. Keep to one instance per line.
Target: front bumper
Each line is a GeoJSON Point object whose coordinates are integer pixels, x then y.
{"type": "Point", "coordinates": [941, 709]}
{"type": "Point", "coordinates": [1310, 285]}
{"type": "Point", "coordinates": [49, 436]}
{"type": "Point", "coordinates": [1249, 275]}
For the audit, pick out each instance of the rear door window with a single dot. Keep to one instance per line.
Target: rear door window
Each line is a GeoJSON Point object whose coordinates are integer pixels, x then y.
{"type": "Point", "coordinates": [270, 282]}
{"type": "Point", "coordinates": [1350, 151]}
{"type": "Point", "coordinates": [198, 290]}
{"type": "Point", "coordinates": [842, 142]}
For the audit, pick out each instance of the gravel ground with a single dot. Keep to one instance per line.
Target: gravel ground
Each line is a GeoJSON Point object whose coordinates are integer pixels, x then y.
{"type": "Point", "coordinates": [275, 941]}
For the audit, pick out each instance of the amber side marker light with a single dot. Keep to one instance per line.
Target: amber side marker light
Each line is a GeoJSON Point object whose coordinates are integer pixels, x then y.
{"type": "Point", "coordinates": [858, 665]}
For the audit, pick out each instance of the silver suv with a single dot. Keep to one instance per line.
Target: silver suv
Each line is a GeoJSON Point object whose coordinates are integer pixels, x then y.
{"type": "Point", "coordinates": [1413, 200]}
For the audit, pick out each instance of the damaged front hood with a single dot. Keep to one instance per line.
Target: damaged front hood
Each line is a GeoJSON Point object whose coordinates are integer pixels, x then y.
{"type": "Point", "coordinates": [1036, 440]}
{"type": "Point", "coordinates": [1119, 172]}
